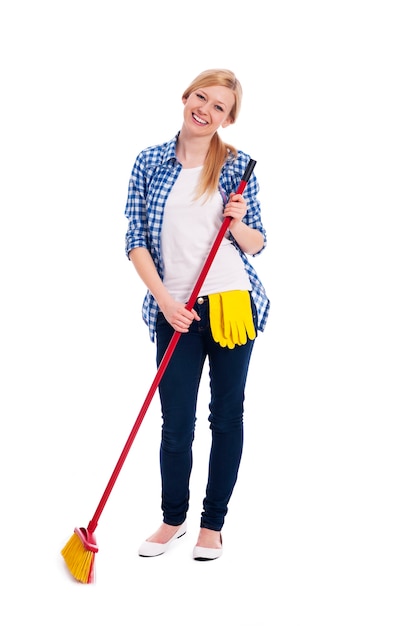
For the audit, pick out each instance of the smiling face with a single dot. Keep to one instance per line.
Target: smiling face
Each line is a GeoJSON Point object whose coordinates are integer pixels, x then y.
{"type": "Point", "coordinates": [207, 109]}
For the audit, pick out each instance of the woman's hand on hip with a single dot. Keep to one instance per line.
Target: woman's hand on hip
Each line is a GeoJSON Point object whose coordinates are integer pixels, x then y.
{"type": "Point", "coordinates": [178, 316]}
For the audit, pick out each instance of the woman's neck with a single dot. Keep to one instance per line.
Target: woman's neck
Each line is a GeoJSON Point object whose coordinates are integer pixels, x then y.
{"type": "Point", "coordinates": [192, 152]}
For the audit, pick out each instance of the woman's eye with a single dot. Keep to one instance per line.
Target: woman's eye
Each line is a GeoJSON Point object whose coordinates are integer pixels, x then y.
{"type": "Point", "coordinates": [199, 95]}
{"type": "Point", "coordinates": [219, 108]}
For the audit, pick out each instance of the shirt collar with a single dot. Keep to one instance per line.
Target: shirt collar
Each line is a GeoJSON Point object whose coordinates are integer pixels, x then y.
{"type": "Point", "coordinates": [171, 150]}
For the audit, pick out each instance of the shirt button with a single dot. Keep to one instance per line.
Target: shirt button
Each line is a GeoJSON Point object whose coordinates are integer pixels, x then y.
{"type": "Point", "coordinates": [200, 300]}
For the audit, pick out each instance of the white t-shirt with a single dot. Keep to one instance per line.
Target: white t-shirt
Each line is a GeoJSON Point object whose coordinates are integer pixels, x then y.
{"type": "Point", "coordinates": [189, 230]}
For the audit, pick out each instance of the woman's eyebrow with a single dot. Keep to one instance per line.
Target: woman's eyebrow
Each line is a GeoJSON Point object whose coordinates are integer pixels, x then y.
{"type": "Point", "coordinates": [217, 101]}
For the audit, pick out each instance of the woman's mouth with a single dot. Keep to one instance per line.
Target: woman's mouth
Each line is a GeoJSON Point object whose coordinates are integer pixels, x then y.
{"type": "Point", "coordinates": [199, 120]}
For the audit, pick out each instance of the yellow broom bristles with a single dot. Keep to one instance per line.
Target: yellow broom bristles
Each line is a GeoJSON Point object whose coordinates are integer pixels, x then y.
{"type": "Point", "coordinates": [79, 560]}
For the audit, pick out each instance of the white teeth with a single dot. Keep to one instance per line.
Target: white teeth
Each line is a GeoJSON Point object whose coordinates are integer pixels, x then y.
{"type": "Point", "coordinates": [199, 119]}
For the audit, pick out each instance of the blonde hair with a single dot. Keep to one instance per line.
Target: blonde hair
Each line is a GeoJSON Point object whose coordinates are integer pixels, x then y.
{"type": "Point", "coordinates": [218, 150]}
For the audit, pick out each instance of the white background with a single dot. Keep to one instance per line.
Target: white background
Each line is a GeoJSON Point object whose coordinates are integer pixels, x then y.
{"type": "Point", "coordinates": [322, 525]}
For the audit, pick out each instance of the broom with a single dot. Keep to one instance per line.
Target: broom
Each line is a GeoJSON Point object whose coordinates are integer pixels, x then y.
{"type": "Point", "coordinates": [79, 552]}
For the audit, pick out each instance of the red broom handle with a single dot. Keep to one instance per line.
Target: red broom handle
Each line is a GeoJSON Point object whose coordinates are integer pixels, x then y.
{"type": "Point", "coordinates": [166, 358]}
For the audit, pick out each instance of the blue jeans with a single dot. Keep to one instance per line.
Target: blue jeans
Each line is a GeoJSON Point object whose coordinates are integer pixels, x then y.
{"type": "Point", "coordinates": [178, 392]}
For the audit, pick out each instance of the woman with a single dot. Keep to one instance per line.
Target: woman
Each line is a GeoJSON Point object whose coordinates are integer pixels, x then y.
{"type": "Point", "coordinates": [179, 194]}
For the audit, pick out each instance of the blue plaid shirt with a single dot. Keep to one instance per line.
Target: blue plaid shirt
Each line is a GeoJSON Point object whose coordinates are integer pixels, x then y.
{"type": "Point", "coordinates": [154, 173]}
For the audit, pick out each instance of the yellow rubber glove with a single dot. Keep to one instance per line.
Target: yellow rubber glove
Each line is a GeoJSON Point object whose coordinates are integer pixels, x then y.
{"type": "Point", "coordinates": [231, 319]}
{"type": "Point", "coordinates": [216, 318]}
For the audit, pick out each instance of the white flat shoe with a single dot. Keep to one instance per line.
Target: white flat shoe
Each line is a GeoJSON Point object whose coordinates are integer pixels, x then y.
{"type": "Point", "coordinates": [207, 554]}
{"type": "Point", "coordinates": [151, 548]}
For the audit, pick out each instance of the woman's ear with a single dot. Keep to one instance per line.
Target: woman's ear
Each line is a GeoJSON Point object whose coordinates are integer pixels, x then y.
{"type": "Point", "coordinates": [184, 99]}
{"type": "Point", "coordinates": [227, 122]}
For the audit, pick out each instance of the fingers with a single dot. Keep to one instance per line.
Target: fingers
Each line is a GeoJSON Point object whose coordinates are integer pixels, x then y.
{"type": "Point", "coordinates": [181, 319]}
{"type": "Point", "coordinates": [236, 208]}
